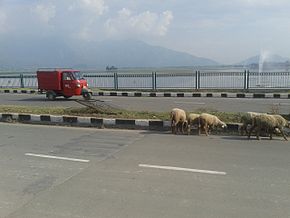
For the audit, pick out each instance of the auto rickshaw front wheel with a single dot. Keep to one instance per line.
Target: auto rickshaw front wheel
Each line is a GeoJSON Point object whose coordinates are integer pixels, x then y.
{"type": "Point", "coordinates": [87, 96]}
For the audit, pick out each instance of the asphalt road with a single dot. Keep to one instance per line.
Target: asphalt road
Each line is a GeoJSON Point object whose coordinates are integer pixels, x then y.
{"type": "Point", "coordinates": [160, 104]}
{"type": "Point", "coordinates": [117, 173]}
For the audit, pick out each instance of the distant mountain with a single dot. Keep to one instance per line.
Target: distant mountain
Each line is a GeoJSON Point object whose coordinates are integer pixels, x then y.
{"type": "Point", "coordinates": [27, 54]}
{"type": "Point", "coordinates": [19, 54]}
{"type": "Point", "coordinates": [269, 58]}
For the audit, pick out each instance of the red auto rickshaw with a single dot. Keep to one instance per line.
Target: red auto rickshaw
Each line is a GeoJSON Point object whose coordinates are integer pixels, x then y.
{"type": "Point", "coordinates": [62, 82]}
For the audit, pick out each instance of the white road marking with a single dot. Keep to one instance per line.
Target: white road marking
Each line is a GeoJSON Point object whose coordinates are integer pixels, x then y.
{"type": "Point", "coordinates": [183, 169]}
{"type": "Point", "coordinates": [56, 157]}
{"type": "Point", "coordinates": [184, 102]}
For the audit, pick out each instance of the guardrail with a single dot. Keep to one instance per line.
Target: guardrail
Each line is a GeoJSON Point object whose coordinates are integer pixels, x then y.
{"type": "Point", "coordinates": [196, 80]}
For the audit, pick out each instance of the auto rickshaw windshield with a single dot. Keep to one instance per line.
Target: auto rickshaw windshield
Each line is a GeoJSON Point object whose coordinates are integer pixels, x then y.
{"type": "Point", "coordinates": [77, 75]}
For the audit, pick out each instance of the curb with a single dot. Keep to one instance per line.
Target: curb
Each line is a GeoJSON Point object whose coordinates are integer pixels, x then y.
{"type": "Point", "coordinates": [171, 94]}
{"type": "Point", "coordinates": [76, 121]}
{"type": "Point", "coordinates": [195, 94]}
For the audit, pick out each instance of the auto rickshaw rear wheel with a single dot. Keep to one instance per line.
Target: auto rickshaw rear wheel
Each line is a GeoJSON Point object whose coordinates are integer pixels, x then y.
{"type": "Point", "coordinates": [50, 95]}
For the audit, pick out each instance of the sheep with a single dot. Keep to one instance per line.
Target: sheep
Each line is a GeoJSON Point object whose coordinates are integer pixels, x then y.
{"type": "Point", "coordinates": [246, 120]}
{"type": "Point", "coordinates": [269, 123]}
{"type": "Point", "coordinates": [178, 119]}
{"type": "Point", "coordinates": [192, 120]}
{"type": "Point", "coordinates": [208, 121]}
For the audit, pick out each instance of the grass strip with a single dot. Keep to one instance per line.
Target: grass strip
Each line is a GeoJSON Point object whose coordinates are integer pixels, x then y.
{"type": "Point", "coordinates": [87, 112]}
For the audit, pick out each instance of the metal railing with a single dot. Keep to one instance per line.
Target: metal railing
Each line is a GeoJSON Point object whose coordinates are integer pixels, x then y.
{"type": "Point", "coordinates": [193, 80]}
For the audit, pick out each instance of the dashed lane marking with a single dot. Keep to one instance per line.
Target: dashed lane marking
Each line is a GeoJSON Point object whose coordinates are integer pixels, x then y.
{"type": "Point", "coordinates": [183, 169]}
{"type": "Point", "coordinates": [57, 157]}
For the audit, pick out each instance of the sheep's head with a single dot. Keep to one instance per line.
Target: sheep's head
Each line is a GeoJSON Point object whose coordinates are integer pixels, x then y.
{"type": "Point", "coordinates": [223, 125]}
{"type": "Point", "coordinates": [277, 131]}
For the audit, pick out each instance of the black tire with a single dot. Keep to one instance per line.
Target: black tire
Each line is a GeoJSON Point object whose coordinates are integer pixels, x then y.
{"type": "Point", "coordinates": [87, 96]}
{"type": "Point", "coordinates": [50, 95]}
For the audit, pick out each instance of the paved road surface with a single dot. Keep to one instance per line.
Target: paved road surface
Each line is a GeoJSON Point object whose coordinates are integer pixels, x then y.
{"type": "Point", "coordinates": [113, 173]}
{"type": "Point", "coordinates": [160, 103]}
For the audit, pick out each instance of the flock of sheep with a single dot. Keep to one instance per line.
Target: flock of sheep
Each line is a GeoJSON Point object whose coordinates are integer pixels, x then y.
{"type": "Point", "coordinates": [251, 121]}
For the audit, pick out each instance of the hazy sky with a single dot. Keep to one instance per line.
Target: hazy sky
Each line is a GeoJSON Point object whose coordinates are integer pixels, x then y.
{"type": "Point", "coordinates": [227, 31]}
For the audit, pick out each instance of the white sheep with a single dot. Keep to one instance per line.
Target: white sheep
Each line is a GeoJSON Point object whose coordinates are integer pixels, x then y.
{"type": "Point", "coordinates": [269, 123]}
{"type": "Point", "coordinates": [247, 120]}
{"type": "Point", "coordinates": [209, 121]}
{"type": "Point", "coordinates": [192, 120]}
{"type": "Point", "coordinates": [178, 120]}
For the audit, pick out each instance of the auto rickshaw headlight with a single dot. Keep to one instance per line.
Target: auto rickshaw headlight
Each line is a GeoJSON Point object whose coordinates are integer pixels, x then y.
{"type": "Point", "coordinates": [78, 85]}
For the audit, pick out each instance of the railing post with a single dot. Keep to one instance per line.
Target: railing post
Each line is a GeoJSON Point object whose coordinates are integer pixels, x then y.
{"type": "Point", "coordinates": [21, 80]}
{"type": "Point", "coordinates": [152, 78]}
{"type": "Point", "coordinates": [248, 79]}
{"type": "Point", "coordinates": [155, 81]}
{"type": "Point", "coordinates": [196, 80]}
{"type": "Point", "coordinates": [245, 80]}
{"type": "Point", "coordinates": [116, 85]}
{"type": "Point", "coordinates": [153, 85]}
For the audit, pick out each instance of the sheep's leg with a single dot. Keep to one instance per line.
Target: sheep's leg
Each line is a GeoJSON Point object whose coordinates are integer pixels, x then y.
{"type": "Point", "coordinates": [198, 127]}
{"type": "Point", "coordinates": [172, 127]}
{"type": "Point", "coordinates": [244, 129]}
{"type": "Point", "coordinates": [271, 134]}
{"type": "Point", "coordinates": [206, 130]}
{"type": "Point", "coordinates": [179, 127]}
{"type": "Point", "coordinates": [175, 127]}
{"type": "Point", "coordinates": [283, 134]}
{"type": "Point", "coordinates": [188, 129]}
{"type": "Point", "coordinates": [250, 132]}
{"type": "Point", "coordinates": [209, 128]}
{"type": "Point", "coordinates": [258, 133]}
{"type": "Point", "coordinates": [182, 127]}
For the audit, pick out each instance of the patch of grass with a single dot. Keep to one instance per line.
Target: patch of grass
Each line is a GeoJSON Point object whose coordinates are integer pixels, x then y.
{"type": "Point", "coordinates": [32, 110]}
{"type": "Point", "coordinates": [87, 112]}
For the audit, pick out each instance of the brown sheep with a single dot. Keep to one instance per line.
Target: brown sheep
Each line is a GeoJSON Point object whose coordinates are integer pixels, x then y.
{"type": "Point", "coordinates": [178, 120]}
{"type": "Point", "coordinates": [246, 120]}
{"type": "Point", "coordinates": [269, 123]}
{"type": "Point", "coordinates": [192, 120]}
{"type": "Point", "coordinates": [208, 121]}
